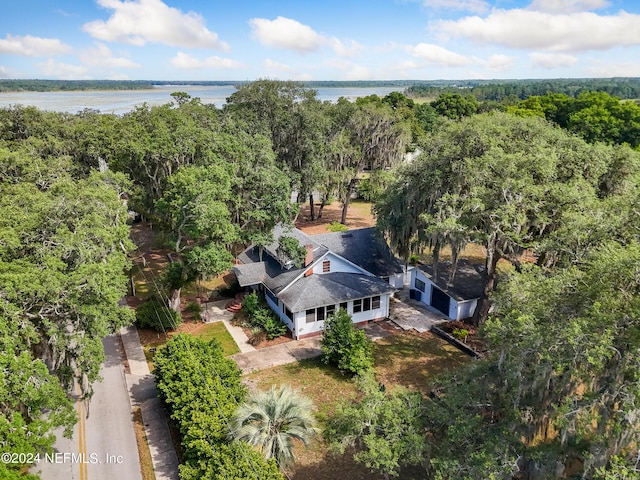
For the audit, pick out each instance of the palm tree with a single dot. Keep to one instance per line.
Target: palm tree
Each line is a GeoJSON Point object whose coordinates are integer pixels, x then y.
{"type": "Point", "coordinates": [271, 420]}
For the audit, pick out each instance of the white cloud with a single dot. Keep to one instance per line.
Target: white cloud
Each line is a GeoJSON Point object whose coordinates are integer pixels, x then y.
{"type": "Point", "coordinates": [497, 63]}
{"type": "Point", "coordinates": [289, 34]}
{"type": "Point", "coordinates": [567, 6]}
{"type": "Point", "coordinates": [101, 55]}
{"type": "Point", "coordinates": [552, 60]}
{"type": "Point", "coordinates": [475, 6]}
{"type": "Point", "coordinates": [137, 22]}
{"type": "Point", "coordinates": [286, 33]}
{"type": "Point", "coordinates": [4, 72]}
{"type": "Point", "coordinates": [348, 48]}
{"type": "Point", "coordinates": [63, 71]}
{"type": "Point", "coordinates": [435, 54]}
{"type": "Point", "coordinates": [31, 46]}
{"type": "Point", "coordinates": [527, 29]}
{"type": "Point", "coordinates": [186, 61]}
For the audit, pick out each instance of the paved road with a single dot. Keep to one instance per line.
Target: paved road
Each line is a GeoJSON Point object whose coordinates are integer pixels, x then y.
{"type": "Point", "coordinates": [106, 437]}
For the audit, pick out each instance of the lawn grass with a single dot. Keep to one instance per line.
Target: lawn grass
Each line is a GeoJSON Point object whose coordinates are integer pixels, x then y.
{"type": "Point", "coordinates": [146, 463]}
{"type": "Point", "coordinates": [405, 359]}
{"type": "Point", "coordinates": [413, 360]}
{"type": "Point", "coordinates": [150, 349]}
{"type": "Point", "coordinates": [218, 331]}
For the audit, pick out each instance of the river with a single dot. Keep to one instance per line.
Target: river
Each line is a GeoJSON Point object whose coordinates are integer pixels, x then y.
{"type": "Point", "coordinates": [122, 101]}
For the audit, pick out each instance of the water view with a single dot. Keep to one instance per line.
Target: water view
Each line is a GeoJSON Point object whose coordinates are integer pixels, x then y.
{"type": "Point", "coordinates": [122, 101]}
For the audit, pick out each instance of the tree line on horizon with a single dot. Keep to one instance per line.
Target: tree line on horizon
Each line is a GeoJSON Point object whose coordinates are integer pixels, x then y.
{"type": "Point", "coordinates": [557, 390]}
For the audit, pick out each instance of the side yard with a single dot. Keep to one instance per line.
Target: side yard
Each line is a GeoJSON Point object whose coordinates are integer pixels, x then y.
{"type": "Point", "coordinates": [406, 359]}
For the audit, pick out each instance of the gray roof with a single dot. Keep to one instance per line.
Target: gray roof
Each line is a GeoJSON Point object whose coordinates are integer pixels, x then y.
{"type": "Point", "coordinates": [365, 247]}
{"type": "Point", "coordinates": [289, 231]}
{"type": "Point", "coordinates": [268, 269]}
{"type": "Point", "coordinates": [332, 288]}
{"type": "Point", "coordinates": [467, 284]}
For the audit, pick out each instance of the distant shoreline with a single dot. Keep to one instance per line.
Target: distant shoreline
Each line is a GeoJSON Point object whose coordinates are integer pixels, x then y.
{"type": "Point", "coordinates": [38, 85]}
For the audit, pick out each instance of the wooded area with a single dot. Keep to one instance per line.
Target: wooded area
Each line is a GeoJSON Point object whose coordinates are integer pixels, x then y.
{"type": "Point", "coordinates": [557, 176]}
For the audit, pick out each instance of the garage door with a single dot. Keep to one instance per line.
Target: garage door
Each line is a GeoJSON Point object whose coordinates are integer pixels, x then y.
{"type": "Point", "coordinates": [440, 300]}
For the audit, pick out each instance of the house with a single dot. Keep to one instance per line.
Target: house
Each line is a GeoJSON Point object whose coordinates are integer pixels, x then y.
{"type": "Point", "coordinates": [458, 299]}
{"type": "Point", "coordinates": [353, 270]}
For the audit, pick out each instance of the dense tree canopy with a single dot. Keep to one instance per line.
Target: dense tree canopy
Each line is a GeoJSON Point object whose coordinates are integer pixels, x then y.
{"type": "Point", "coordinates": [595, 116]}
{"type": "Point", "coordinates": [63, 257]}
{"type": "Point", "coordinates": [559, 389]}
{"type": "Point", "coordinates": [507, 183]}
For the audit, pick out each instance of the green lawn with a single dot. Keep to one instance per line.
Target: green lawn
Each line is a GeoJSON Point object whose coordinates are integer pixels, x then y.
{"type": "Point", "coordinates": [218, 331]}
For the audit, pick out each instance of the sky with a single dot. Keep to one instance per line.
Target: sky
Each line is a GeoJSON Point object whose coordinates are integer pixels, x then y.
{"type": "Point", "coordinates": [319, 40]}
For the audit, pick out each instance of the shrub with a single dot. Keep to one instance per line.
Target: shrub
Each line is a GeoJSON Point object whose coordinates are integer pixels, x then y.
{"type": "Point", "coordinates": [257, 336]}
{"type": "Point", "coordinates": [264, 318]}
{"type": "Point", "coordinates": [460, 333]}
{"type": "Point", "coordinates": [251, 303]}
{"type": "Point", "coordinates": [156, 315]}
{"type": "Point", "coordinates": [337, 227]}
{"type": "Point", "coordinates": [414, 259]}
{"type": "Point", "coordinates": [345, 346]}
{"type": "Point", "coordinates": [193, 307]}
{"type": "Point", "coordinates": [261, 316]}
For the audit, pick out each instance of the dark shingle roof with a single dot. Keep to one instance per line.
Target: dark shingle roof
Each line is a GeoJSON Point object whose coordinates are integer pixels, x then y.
{"type": "Point", "coordinates": [365, 247]}
{"type": "Point", "coordinates": [302, 238]}
{"type": "Point", "coordinates": [268, 269]}
{"type": "Point", "coordinates": [332, 288]}
{"type": "Point", "coordinates": [467, 283]}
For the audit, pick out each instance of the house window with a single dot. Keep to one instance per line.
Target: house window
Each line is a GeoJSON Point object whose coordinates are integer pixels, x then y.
{"type": "Point", "coordinates": [375, 302]}
{"type": "Point", "coordinates": [343, 306]}
{"type": "Point", "coordinates": [420, 285]}
{"type": "Point", "coordinates": [366, 304]}
{"type": "Point", "coordinates": [386, 279]}
{"type": "Point", "coordinates": [331, 309]}
{"type": "Point", "coordinates": [326, 266]}
{"type": "Point", "coordinates": [357, 306]}
{"type": "Point", "coordinates": [311, 315]}
{"type": "Point", "coordinates": [320, 314]}
{"type": "Point", "coordinates": [287, 312]}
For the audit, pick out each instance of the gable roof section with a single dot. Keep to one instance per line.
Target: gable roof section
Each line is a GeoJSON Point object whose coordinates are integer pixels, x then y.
{"type": "Point", "coordinates": [467, 283]}
{"type": "Point", "coordinates": [364, 247]}
{"type": "Point", "coordinates": [268, 270]}
{"type": "Point", "coordinates": [332, 288]}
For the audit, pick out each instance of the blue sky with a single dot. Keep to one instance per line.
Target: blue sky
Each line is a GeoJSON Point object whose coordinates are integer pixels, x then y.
{"type": "Point", "coordinates": [328, 40]}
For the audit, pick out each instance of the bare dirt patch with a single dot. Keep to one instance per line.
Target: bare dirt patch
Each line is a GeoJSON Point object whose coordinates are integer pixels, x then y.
{"type": "Point", "coordinates": [358, 216]}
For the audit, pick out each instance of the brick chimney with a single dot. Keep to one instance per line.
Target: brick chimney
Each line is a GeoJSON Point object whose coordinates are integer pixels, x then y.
{"type": "Point", "coordinates": [308, 259]}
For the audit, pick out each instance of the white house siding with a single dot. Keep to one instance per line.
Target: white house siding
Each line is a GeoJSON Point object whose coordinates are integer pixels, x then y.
{"type": "Point", "coordinates": [425, 297]}
{"type": "Point", "coordinates": [306, 329]}
{"type": "Point", "coordinates": [466, 308]}
{"type": "Point", "coordinates": [396, 280]}
{"type": "Point", "coordinates": [277, 309]}
{"type": "Point", "coordinates": [336, 264]}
